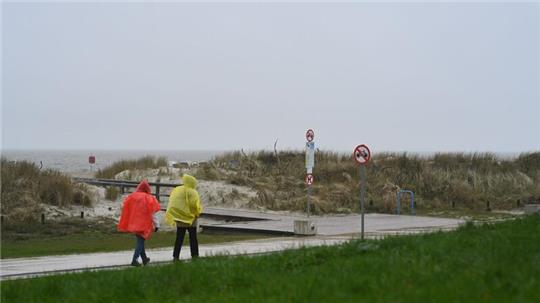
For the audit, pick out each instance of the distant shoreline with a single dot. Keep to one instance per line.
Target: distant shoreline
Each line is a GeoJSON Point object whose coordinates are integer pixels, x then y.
{"type": "Point", "coordinates": [75, 162]}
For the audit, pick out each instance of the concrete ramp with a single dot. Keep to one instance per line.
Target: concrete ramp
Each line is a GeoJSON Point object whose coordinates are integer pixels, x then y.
{"type": "Point", "coordinates": [222, 219]}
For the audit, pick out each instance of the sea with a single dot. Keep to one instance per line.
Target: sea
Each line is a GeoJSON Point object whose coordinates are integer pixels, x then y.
{"type": "Point", "coordinates": [76, 162]}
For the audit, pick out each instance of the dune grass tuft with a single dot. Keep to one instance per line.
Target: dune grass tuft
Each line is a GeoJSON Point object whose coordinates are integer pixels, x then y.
{"type": "Point", "coordinates": [25, 187]}
{"type": "Point", "coordinates": [145, 162]}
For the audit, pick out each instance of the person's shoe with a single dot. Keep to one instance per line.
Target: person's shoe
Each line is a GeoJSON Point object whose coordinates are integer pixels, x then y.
{"type": "Point", "coordinates": [135, 263]}
{"type": "Point", "coordinates": [145, 261]}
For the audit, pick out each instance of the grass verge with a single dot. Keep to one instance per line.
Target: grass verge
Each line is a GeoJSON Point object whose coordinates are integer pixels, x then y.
{"type": "Point", "coordinates": [99, 242]}
{"type": "Point", "coordinates": [487, 263]}
{"type": "Point", "coordinates": [73, 235]}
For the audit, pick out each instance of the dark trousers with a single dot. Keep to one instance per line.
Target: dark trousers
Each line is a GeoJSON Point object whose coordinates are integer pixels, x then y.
{"type": "Point", "coordinates": [193, 243]}
{"type": "Point", "coordinates": [139, 248]}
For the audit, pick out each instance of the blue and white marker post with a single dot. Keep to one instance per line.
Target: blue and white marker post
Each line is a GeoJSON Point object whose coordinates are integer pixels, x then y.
{"type": "Point", "coordinates": [307, 227]}
{"type": "Point", "coordinates": [310, 163]}
{"type": "Point", "coordinates": [361, 155]}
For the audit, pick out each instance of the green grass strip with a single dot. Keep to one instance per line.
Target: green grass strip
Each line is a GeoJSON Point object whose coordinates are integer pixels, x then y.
{"type": "Point", "coordinates": [90, 242]}
{"type": "Point", "coordinates": [488, 263]}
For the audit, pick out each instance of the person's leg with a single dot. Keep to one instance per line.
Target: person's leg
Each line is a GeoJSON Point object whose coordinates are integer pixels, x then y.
{"type": "Point", "coordinates": [193, 243]}
{"type": "Point", "coordinates": [180, 233]}
{"type": "Point", "coordinates": [138, 249]}
{"type": "Point", "coordinates": [144, 258]}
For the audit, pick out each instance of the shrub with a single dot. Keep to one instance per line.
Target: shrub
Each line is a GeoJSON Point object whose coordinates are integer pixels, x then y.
{"type": "Point", "coordinates": [145, 162]}
{"type": "Point", "coordinates": [112, 193]}
{"type": "Point", "coordinates": [207, 172]}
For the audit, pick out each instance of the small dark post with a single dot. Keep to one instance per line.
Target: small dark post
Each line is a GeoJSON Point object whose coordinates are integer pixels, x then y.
{"type": "Point", "coordinates": [518, 202]}
{"type": "Point", "coordinates": [488, 208]}
{"type": "Point", "coordinates": [122, 190]}
{"type": "Point", "coordinates": [82, 214]}
{"type": "Point", "coordinates": [157, 192]}
{"type": "Point", "coordinates": [42, 218]}
{"type": "Point", "coordinates": [453, 204]}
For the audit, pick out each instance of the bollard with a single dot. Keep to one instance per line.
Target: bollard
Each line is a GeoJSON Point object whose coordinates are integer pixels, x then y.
{"type": "Point", "coordinates": [518, 202]}
{"type": "Point", "coordinates": [42, 218]}
{"type": "Point", "coordinates": [82, 214]}
{"type": "Point", "coordinates": [453, 204]}
{"type": "Point", "coordinates": [488, 208]}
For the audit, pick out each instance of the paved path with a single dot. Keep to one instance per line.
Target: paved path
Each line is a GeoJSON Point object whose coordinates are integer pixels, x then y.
{"type": "Point", "coordinates": [332, 230]}
{"type": "Point", "coordinates": [38, 266]}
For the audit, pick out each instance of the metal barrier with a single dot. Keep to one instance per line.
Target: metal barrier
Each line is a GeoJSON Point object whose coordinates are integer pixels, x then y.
{"type": "Point", "coordinates": [398, 202]}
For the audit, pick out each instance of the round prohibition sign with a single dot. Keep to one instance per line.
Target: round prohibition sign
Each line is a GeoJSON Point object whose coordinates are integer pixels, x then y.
{"type": "Point", "coordinates": [309, 179]}
{"type": "Point", "coordinates": [362, 154]}
{"type": "Point", "coordinates": [310, 135]}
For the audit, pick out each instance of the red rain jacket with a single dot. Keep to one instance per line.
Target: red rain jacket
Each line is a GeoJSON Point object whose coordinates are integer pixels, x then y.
{"type": "Point", "coordinates": [137, 211]}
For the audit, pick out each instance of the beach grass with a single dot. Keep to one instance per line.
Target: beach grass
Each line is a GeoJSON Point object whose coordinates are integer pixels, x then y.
{"type": "Point", "coordinates": [145, 162]}
{"type": "Point", "coordinates": [466, 181]}
{"type": "Point", "coordinates": [25, 186]}
{"type": "Point", "coordinates": [486, 263]}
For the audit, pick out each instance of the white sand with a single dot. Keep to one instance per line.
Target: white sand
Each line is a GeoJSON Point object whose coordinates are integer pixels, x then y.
{"type": "Point", "coordinates": [212, 193]}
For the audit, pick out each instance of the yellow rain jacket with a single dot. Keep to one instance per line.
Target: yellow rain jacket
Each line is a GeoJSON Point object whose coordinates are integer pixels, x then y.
{"type": "Point", "coordinates": [184, 203]}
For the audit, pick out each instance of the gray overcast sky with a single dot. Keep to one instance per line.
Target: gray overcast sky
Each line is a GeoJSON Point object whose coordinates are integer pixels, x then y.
{"type": "Point", "coordinates": [400, 77]}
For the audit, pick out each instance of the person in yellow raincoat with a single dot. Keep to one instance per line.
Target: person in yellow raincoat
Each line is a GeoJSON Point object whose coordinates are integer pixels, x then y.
{"type": "Point", "coordinates": [182, 211]}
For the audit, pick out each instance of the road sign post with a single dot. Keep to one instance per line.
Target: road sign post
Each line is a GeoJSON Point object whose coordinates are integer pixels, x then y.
{"type": "Point", "coordinates": [310, 163]}
{"type": "Point", "coordinates": [309, 182]}
{"type": "Point", "coordinates": [361, 155]}
{"type": "Point", "coordinates": [306, 227]}
{"type": "Point", "coordinates": [310, 156]}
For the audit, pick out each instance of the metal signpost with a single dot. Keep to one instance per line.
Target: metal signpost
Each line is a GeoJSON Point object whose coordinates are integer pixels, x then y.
{"type": "Point", "coordinates": [361, 155]}
{"type": "Point", "coordinates": [309, 182]}
{"type": "Point", "coordinates": [310, 163]}
{"type": "Point", "coordinates": [92, 162]}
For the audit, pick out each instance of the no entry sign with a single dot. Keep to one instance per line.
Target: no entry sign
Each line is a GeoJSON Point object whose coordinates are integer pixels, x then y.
{"type": "Point", "coordinates": [362, 154]}
{"type": "Point", "coordinates": [309, 179]}
{"type": "Point", "coordinates": [310, 135]}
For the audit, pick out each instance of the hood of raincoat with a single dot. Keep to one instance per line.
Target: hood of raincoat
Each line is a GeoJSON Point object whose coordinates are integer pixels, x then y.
{"type": "Point", "coordinates": [144, 187]}
{"type": "Point", "coordinates": [189, 181]}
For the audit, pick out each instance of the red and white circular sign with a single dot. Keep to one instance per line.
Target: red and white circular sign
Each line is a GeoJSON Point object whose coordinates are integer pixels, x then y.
{"type": "Point", "coordinates": [309, 179]}
{"type": "Point", "coordinates": [310, 135]}
{"type": "Point", "coordinates": [361, 154]}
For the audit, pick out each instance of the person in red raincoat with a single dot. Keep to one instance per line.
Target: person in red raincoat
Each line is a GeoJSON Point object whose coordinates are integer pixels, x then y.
{"type": "Point", "coordinates": [138, 217]}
